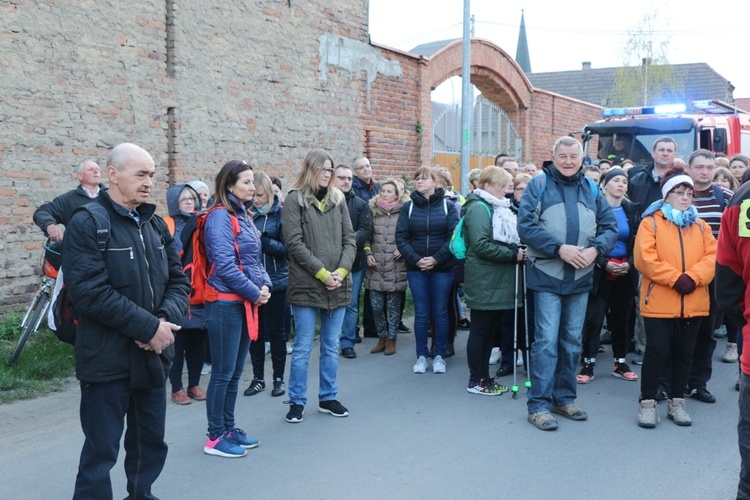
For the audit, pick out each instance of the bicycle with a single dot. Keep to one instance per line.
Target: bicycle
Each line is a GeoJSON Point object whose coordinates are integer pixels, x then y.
{"type": "Point", "coordinates": [40, 304]}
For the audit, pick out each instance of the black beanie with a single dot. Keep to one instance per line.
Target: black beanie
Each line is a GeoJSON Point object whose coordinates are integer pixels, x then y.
{"type": "Point", "coordinates": [614, 172]}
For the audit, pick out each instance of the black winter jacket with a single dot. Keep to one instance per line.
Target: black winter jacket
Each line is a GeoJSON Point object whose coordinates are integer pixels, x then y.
{"type": "Point", "coordinates": [60, 210]}
{"type": "Point", "coordinates": [643, 190]}
{"type": "Point", "coordinates": [359, 213]}
{"type": "Point", "coordinates": [425, 228]}
{"type": "Point", "coordinates": [120, 294]}
{"type": "Point", "coordinates": [275, 256]}
{"type": "Point", "coordinates": [365, 191]}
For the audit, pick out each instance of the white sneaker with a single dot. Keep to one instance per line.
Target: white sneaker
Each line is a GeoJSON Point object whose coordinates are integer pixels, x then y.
{"type": "Point", "coordinates": [519, 359]}
{"type": "Point", "coordinates": [268, 348]}
{"type": "Point", "coordinates": [421, 365]}
{"type": "Point", "coordinates": [438, 365]}
{"type": "Point", "coordinates": [206, 369]}
{"type": "Point", "coordinates": [289, 347]}
{"type": "Point", "coordinates": [495, 356]}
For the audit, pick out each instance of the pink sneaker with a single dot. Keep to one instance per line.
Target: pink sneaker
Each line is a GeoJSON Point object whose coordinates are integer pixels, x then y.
{"type": "Point", "coordinates": [623, 371]}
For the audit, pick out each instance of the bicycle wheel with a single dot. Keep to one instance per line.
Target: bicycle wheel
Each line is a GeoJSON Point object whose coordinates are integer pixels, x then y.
{"type": "Point", "coordinates": [29, 328]}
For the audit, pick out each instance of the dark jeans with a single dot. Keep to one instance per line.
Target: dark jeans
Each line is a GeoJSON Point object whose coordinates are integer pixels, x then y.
{"type": "Point", "coordinates": [271, 329]}
{"type": "Point", "coordinates": [743, 434]}
{"type": "Point", "coordinates": [705, 345]}
{"type": "Point", "coordinates": [617, 296]}
{"type": "Point", "coordinates": [484, 324]}
{"type": "Point", "coordinates": [190, 347]}
{"type": "Point", "coordinates": [431, 292]}
{"type": "Point", "coordinates": [668, 340]}
{"type": "Point", "coordinates": [105, 407]}
{"type": "Point", "coordinates": [227, 333]}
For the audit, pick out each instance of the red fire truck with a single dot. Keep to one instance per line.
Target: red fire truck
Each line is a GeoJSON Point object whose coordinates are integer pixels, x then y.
{"type": "Point", "coordinates": [629, 133]}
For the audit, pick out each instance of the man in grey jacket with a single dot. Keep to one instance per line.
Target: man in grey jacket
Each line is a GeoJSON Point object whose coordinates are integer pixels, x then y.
{"type": "Point", "coordinates": [566, 223]}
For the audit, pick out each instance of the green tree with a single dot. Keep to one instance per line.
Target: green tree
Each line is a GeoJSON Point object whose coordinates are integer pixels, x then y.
{"type": "Point", "coordinates": [646, 76]}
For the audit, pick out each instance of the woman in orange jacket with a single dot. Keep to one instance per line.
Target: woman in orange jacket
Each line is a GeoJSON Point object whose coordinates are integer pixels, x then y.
{"type": "Point", "coordinates": [675, 252]}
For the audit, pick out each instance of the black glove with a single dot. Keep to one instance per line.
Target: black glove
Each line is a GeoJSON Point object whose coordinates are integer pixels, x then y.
{"type": "Point", "coordinates": [684, 284]}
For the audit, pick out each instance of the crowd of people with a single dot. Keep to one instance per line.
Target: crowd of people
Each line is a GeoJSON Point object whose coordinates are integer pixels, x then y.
{"type": "Point", "coordinates": [558, 261]}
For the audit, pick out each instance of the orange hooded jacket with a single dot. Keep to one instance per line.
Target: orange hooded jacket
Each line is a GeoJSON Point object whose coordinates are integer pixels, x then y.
{"type": "Point", "coordinates": [662, 253]}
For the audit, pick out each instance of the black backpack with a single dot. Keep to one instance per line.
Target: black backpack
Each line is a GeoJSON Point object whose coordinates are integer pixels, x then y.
{"type": "Point", "coordinates": [66, 321]}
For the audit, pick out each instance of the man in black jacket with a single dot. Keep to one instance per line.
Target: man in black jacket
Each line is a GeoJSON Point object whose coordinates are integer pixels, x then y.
{"type": "Point", "coordinates": [643, 185]}
{"type": "Point", "coordinates": [128, 298]}
{"type": "Point", "coordinates": [60, 210]}
{"type": "Point", "coordinates": [359, 212]}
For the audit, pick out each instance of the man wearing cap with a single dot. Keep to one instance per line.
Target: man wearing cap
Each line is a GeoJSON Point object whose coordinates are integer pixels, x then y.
{"type": "Point", "coordinates": [567, 224]}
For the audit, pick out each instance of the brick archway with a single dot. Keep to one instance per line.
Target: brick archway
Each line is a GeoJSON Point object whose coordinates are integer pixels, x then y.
{"type": "Point", "coordinates": [493, 72]}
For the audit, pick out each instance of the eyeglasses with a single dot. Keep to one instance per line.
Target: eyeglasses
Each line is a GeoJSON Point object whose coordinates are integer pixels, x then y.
{"type": "Point", "coordinates": [680, 194]}
{"type": "Point", "coordinates": [328, 171]}
{"type": "Point", "coordinates": [189, 199]}
{"type": "Point", "coordinates": [343, 178]}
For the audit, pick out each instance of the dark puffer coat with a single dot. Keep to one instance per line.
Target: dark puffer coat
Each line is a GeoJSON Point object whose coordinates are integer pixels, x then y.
{"type": "Point", "coordinates": [275, 256]}
{"type": "Point", "coordinates": [389, 273]}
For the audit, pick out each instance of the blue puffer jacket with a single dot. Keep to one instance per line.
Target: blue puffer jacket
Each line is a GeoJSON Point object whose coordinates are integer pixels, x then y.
{"type": "Point", "coordinates": [275, 256]}
{"type": "Point", "coordinates": [425, 228]}
{"type": "Point", "coordinates": [220, 250]}
{"type": "Point", "coordinates": [568, 213]}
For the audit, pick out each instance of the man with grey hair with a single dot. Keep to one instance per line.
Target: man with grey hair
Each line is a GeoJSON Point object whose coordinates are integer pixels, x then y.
{"type": "Point", "coordinates": [566, 223]}
{"type": "Point", "coordinates": [126, 283]}
{"type": "Point", "coordinates": [58, 212]}
{"type": "Point", "coordinates": [362, 184]}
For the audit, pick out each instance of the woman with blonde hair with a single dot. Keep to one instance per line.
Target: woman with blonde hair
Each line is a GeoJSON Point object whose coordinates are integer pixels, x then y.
{"type": "Point", "coordinates": [322, 247]}
{"type": "Point", "coordinates": [386, 272]}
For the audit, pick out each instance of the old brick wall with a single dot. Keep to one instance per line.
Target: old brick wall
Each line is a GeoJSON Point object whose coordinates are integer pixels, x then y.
{"type": "Point", "coordinates": [243, 81]}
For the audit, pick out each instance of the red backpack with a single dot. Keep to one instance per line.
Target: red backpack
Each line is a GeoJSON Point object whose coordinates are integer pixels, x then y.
{"type": "Point", "coordinates": [194, 260]}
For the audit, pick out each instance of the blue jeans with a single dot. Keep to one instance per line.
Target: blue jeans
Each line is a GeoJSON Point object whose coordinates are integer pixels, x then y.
{"type": "Point", "coordinates": [349, 327]}
{"type": "Point", "coordinates": [431, 293]}
{"type": "Point", "coordinates": [556, 349]}
{"type": "Point", "coordinates": [104, 409]}
{"type": "Point", "coordinates": [304, 334]}
{"type": "Point", "coordinates": [229, 341]}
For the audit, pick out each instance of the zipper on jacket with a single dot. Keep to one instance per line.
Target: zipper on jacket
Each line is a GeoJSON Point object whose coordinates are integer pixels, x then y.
{"type": "Point", "coordinates": [128, 249]}
{"type": "Point", "coordinates": [648, 292]}
{"type": "Point", "coordinates": [428, 227]}
{"type": "Point", "coordinates": [148, 267]}
{"type": "Point", "coordinates": [682, 255]}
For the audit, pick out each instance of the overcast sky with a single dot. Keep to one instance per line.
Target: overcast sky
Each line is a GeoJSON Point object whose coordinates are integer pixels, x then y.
{"type": "Point", "coordinates": [563, 34]}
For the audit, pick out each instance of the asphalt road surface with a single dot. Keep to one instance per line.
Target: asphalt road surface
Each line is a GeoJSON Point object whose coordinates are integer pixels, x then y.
{"type": "Point", "coordinates": [408, 436]}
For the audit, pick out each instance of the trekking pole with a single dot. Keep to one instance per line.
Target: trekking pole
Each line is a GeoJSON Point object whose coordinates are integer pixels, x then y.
{"type": "Point", "coordinates": [514, 387]}
{"type": "Point", "coordinates": [526, 384]}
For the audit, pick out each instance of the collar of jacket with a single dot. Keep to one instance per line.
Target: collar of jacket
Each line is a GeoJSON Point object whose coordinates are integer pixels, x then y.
{"type": "Point", "coordinates": [557, 176]}
{"type": "Point", "coordinates": [145, 210]}
{"type": "Point", "coordinates": [437, 197]}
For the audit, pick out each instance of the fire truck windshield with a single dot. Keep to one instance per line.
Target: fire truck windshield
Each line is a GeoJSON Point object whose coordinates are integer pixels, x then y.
{"type": "Point", "coordinates": [617, 147]}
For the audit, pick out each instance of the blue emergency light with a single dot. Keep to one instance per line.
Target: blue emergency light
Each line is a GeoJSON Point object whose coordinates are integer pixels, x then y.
{"type": "Point", "coordinates": [644, 110]}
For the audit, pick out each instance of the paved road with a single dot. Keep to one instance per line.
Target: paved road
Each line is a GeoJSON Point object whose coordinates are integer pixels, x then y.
{"type": "Point", "coordinates": [408, 436]}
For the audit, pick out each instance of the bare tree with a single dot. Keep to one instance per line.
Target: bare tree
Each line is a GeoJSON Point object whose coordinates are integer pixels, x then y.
{"type": "Point", "coordinates": [646, 76]}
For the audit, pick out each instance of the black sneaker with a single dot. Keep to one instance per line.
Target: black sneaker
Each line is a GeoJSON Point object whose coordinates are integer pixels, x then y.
{"type": "Point", "coordinates": [333, 407]}
{"type": "Point", "coordinates": [295, 414]}
{"type": "Point", "coordinates": [661, 395]}
{"type": "Point", "coordinates": [402, 328]}
{"type": "Point", "coordinates": [464, 324]}
{"type": "Point", "coordinates": [256, 386]}
{"type": "Point", "coordinates": [504, 371]}
{"type": "Point", "coordinates": [701, 394]}
{"type": "Point", "coordinates": [348, 353]}
{"type": "Point", "coordinates": [278, 388]}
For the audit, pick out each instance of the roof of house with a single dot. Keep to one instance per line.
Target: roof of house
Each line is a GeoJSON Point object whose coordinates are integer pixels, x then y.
{"type": "Point", "coordinates": [699, 80]}
{"type": "Point", "coordinates": [429, 48]}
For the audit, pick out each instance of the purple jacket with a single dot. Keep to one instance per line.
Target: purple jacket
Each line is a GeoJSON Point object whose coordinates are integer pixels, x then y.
{"type": "Point", "coordinates": [221, 252]}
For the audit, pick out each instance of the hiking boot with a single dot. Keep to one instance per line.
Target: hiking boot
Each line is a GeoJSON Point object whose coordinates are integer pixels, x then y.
{"type": "Point", "coordinates": [701, 394]}
{"type": "Point", "coordinates": [402, 328]}
{"type": "Point", "coordinates": [223, 447]}
{"type": "Point", "coordinates": [333, 407]}
{"type": "Point", "coordinates": [278, 388]}
{"type": "Point", "coordinates": [379, 347]}
{"type": "Point", "coordinates": [570, 411]}
{"type": "Point", "coordinates": [730, 355]}
{"type": "Point", "coordinates": [495, 356]}
{"type": "Point", "coordinates": [421, 365]}
{"type": "Point", "coordinates": [256, 386]}
{"type": "Point", "coordinates": [295, 414]}
{"type": "Point", "coordinates": [180, 398]}
{"type": "Point", "coordinates": [543, 421]}
{"type": "Point", "coordinates": [438, 364]}
{"type": "Point", "coordinates": [677, 412]}
{"type": "Point", "coordinates": [586, 374]}
{"type": "Point", "coordinates": [238, 437]}
{"type": "Point", "coordinates": [196, 393]}
{"type": "Point", "coordinates": [648, 414]}
{"type": "Point", "coordinates": [390, 347]}
{"type": "Point", "coordinates": [623, 371]}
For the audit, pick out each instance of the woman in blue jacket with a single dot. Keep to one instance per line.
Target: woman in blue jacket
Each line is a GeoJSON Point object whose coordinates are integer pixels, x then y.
{"type": "Point", "coordinates": [267, 219]}
{"type": "Point", "coordinates": [424, 230]}
{"type": "Point", "coordinates": [233, 249]}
